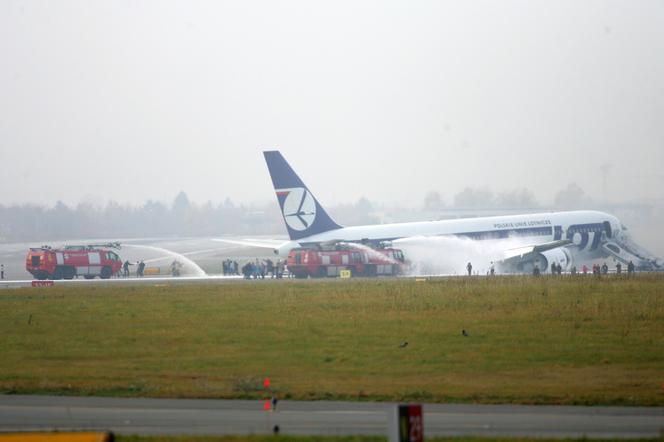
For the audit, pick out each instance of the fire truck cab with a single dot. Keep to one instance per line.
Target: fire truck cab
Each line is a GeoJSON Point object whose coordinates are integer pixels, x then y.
{"type": "Point", "coordinates": [320, 262]}
{"type": "Point", "coordinates": [71, 261]}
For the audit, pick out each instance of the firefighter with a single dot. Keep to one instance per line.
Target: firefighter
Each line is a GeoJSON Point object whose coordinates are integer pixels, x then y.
{"type": "Point", "coordinates": [618, 268]}
{"type": "Point", "coordinates": [175, 268]}
{"type": "Point", "coordinates": [256, 266]}
{"type": "Point", "coordinates": [630, 267]}
{"type": "Point", "coordinates": [2, 271]}
{"type": "Point", "coordinates": [269, 268]}
{"type": "Point", "coordinates": [125, 268]}
{"type": "Point", "coordinates": [469, 267]}
{"type": "Point", "coordinates": [280, 268]}
{"type": "Point", "coordinates": [536, 270]}
{"type": "Point", "coordinates": [140, 269]}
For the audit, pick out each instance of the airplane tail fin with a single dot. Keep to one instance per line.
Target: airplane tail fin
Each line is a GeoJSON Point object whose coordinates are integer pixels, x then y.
{"type": "Point", "coordinates": [302, 213]}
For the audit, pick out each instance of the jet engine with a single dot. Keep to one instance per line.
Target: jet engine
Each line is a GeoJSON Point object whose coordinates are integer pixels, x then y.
{"type": "Point", "coordinates": [560, 256]}
{"type": "Point", "coordinates": [526, 263]}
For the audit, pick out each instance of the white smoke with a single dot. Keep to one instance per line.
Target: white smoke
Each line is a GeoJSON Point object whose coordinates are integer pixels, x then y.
{"type": "Point", "coordinates": [189, 266]}
{"type": "Point", "coordinates": [372, 253]}
{"type": "Point", "coordinates": [449, 255]}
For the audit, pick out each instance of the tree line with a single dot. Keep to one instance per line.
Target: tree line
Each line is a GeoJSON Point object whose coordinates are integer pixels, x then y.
{"type": "Point", "coordinates": [182, 217]}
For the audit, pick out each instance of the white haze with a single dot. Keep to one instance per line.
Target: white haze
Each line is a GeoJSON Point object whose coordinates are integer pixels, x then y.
{"type": "Point", "coordinates": [189, 267]}
{"type": "Point", "coordinates": [131, 100]}
{"type": "Point", "coordinates": [449, 255]}
{"type": "Point", "coordinates": [371, 253]}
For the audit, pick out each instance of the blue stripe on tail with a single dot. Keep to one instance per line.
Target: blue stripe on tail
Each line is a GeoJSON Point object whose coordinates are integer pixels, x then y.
{"type": "Point", "coordinates": [302, 213]}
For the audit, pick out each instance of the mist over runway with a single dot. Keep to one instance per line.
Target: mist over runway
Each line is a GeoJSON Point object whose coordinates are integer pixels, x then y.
{"type": "Point", "coordinates": [194, 253]}
{"type": "Point", "coordinates": [206, 416]}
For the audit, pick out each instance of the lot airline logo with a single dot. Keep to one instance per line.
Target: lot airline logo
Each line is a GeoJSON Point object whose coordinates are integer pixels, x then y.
{"type": "Point", "coordinates": [298, 207]}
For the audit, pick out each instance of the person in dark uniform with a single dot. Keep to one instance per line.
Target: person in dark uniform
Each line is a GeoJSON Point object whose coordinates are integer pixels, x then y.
{"type": "Point", "coordinates": [125, 269]}
{"type": "Point", "coordinates": [630, 267]}
{"type": "Point", "coordinates": [469, 267]}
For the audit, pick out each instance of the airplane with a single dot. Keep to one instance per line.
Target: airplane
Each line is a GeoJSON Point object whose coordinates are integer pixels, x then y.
{"type": "Point", "coordinates": [567, 238]}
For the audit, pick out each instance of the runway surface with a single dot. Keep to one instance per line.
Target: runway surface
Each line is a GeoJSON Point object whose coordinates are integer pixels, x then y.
{"type": "Point", "coordinates": [191, 416]}
{"type": "Point", "coordinates": [157, 280]}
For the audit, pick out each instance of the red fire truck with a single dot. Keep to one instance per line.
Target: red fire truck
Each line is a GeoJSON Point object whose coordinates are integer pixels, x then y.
{"type": "Point", "coordinates": [323, 261]}
{"type": "Point", "coordinates": [71, 261]}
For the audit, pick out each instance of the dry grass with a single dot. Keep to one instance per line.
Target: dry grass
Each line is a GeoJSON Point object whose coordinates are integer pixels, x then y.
{"type": "Point", "coordinates": [548, 340]}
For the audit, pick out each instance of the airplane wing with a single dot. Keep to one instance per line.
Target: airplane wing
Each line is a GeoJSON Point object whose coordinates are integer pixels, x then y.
{"type": "Point", "coordinates": [538, 248]}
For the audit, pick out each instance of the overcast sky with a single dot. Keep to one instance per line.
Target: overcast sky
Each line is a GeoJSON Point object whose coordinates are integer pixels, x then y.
{"type": "Point", "coordinates": [130, 100]}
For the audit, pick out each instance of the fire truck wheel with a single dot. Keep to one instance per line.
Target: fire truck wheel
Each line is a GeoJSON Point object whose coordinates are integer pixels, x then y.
{"type": "Point", "coordinates": [106, 272]}
{"type": "Point", "coordinates": [57, 274]}
{"type": "Point", "coordinates": [41, 275]}
{"type": "Point", "coordinates": [68, 273]}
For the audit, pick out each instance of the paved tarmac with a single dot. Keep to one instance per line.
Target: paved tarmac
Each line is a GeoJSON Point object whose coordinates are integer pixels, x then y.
{"type": "Point", "coordinates": [200, 416]}
{"type": "Point", "coordinates": [172, 280]}
{"type": "Point", "coordinates": [156, 280]}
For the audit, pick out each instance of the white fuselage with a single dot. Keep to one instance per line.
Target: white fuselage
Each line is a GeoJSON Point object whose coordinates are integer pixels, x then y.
{"type": "Point", "coordinates": [542, 226]}
{"type": "Point", "coordinates": [590, 232]}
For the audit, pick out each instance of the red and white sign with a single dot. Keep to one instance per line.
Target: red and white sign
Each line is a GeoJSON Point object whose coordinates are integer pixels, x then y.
{"type": "Point", "coordinates": [405, 424]}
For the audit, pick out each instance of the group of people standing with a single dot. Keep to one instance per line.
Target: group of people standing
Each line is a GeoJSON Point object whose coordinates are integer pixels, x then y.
{"type": "Point", "coordinates": [598, 270]}
{"type": "Point", "coordinates": [557, 269]}
{"type": "Point", "coordinates": [230, 268]}
{"type": "Point", "coordinates": [261, 269]}
{"type": "Point", "coordinates": [140, 268]}
{"type": "Point", "coordinates": [604, 269]}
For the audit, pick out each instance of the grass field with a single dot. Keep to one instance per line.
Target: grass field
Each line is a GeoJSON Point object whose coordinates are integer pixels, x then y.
{"type": "Point", "coordinates": [547, 340]}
